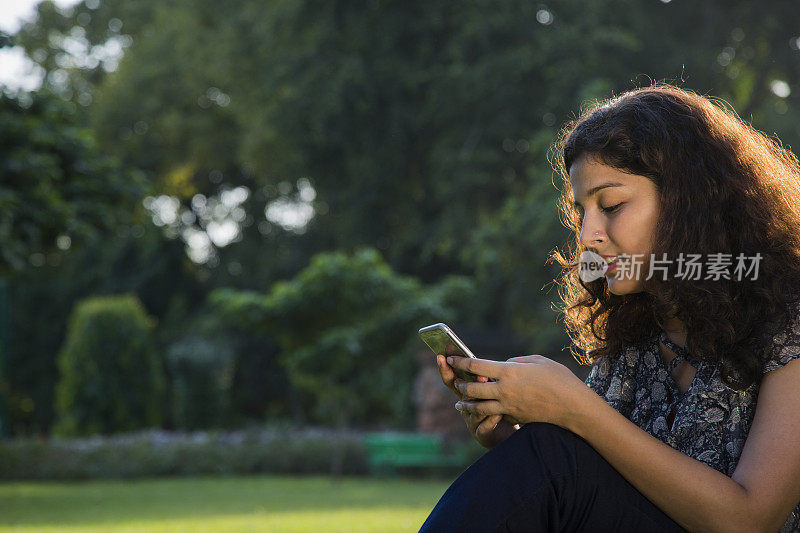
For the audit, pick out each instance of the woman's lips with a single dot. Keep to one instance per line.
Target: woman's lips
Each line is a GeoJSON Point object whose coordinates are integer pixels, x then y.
{"type": "Point", "coordinates": [612, 266]}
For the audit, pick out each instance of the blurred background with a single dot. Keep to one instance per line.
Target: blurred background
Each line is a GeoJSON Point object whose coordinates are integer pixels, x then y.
{"type": "Point", "coordinates": [222, 223]}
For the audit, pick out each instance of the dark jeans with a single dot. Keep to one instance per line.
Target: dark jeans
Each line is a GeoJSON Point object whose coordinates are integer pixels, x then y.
{"type": "Point", "coordinates": [544, 478]}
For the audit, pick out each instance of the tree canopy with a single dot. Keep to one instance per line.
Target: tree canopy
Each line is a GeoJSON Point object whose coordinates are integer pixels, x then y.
{"type": "Point", "coordinates": [269, 132]}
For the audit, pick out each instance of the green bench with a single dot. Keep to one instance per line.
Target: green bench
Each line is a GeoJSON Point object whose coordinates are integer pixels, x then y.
{"type": "Point", "coordinates": [389, 452]}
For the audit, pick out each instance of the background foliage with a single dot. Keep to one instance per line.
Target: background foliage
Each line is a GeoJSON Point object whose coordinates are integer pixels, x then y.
{"type": "Point", "coordinates": [343, 329]}
{"type": "Point", "coordinates": [327, 164]}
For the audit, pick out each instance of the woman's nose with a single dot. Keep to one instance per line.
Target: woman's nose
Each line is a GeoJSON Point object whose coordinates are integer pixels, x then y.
{"type": "Point", "coordinates": [591, 232]}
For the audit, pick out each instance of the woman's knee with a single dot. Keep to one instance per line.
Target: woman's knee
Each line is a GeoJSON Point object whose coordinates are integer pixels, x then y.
{"type": "Point", "coordinates": [537, 465]}
{"type": "Point", "coordinates": [547, 431]}
{"type": "Point", "coordinates": [551, 449]}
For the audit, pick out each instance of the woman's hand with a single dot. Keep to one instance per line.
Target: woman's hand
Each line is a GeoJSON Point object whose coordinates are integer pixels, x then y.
{"type": "Point", "coordinates": [531, 388]}
{"type": "Point", "coordinates": [489, 431]}
{"type": "Point", "coordinates": [448, 376]}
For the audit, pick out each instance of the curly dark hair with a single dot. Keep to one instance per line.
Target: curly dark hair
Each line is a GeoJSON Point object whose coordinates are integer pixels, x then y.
{"type": "Point", "coordinates": [724, 187]}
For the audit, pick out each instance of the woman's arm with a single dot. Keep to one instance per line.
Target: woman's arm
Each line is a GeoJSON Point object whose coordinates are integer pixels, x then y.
{"type": "Point", "coordinates": [761, 494]}
{"type": "Point", "coordinates": [693, 494]}
{"type": "Point", "coordinates": [764, 488]}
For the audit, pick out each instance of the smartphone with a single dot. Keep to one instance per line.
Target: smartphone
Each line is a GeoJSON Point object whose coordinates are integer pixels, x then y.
{"type": "Point", "coordinates": [441, 339]}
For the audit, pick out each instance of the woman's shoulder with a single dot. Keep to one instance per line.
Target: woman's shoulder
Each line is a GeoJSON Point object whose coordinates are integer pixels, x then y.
{"type": "Point", "coordinates": [786, 343]}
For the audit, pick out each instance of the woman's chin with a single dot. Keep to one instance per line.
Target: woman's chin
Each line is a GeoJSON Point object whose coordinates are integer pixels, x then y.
{"type": "Point", "coordinates": [621, 287]}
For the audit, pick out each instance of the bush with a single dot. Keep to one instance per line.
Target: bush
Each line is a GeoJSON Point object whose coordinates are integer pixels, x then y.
{"type": "Point", "coordinates": [111, 378]}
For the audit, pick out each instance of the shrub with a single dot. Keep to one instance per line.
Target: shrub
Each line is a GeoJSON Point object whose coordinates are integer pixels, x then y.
{"type": "Point", "coordinates": [111, 378]}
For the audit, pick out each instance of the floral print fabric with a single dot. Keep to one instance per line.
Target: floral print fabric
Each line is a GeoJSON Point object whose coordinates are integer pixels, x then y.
{"type": "Point", "coordinates": [711, 420]}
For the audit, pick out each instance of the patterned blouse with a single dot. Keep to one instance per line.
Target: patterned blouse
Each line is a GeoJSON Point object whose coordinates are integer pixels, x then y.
{"type": "Point", "coordinates": [712, 420]}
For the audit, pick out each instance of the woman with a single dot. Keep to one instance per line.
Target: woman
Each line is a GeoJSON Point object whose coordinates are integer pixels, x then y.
{"type": "Point", "coordinates": [667, 436]}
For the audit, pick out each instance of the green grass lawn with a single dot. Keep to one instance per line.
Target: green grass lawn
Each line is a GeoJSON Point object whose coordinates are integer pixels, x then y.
{"type": "Point", "coordinates": [274, 504]}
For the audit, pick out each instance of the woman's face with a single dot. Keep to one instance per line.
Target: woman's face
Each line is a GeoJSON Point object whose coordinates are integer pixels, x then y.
{"type": "Point", "coordinates": [619, 213]}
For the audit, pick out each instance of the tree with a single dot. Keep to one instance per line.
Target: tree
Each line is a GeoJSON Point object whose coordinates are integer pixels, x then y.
{"type": "Point", "coordinates": [55, 190]}
{"type": "Point", "coordinates": [55, 186]}
{"type": "Point", "coordinates": [417, 128]}
{"type": "Point", "coordinates": [135, 259]}
{"type": "Point", "coordinates": [346, 329]}
{"type": "Point", "coordinates": [418, 125]}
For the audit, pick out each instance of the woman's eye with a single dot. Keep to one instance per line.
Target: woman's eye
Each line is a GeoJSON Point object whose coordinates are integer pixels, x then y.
{"type": "Point", "coordinates": [612, 208]}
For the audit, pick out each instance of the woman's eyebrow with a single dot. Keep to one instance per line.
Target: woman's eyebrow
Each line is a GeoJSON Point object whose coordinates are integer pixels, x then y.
{"type": "Point", "coordinates": [594, 190]}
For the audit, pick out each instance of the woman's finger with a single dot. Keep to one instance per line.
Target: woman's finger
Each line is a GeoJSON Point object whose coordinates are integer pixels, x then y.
{"type": "Point", "coordinates": [447, 375]}
{"type": "Point", "coordinates": [480, 391]}
{"type": "Point", "coordinates": [442, 363]}
{"type": "Point", "coordinates": [480, 407]}
{"type": "Point", "coordinates": [487, 425]}
{"type": "Point", "coordinates": [473, 421]}
{"type": "Point", "coordinates": [479, 367]}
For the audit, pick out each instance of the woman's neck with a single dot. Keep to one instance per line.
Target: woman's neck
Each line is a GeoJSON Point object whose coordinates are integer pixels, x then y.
{"type": "Point", "coordinates": [676, 331]}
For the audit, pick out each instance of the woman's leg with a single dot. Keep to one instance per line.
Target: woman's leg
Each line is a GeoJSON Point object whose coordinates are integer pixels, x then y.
{"type": "Point", "coordinates": [544, 478]}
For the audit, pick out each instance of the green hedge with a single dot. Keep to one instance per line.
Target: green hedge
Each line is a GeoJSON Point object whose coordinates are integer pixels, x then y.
{"type": "Point", "coordinates": [164, 453]}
